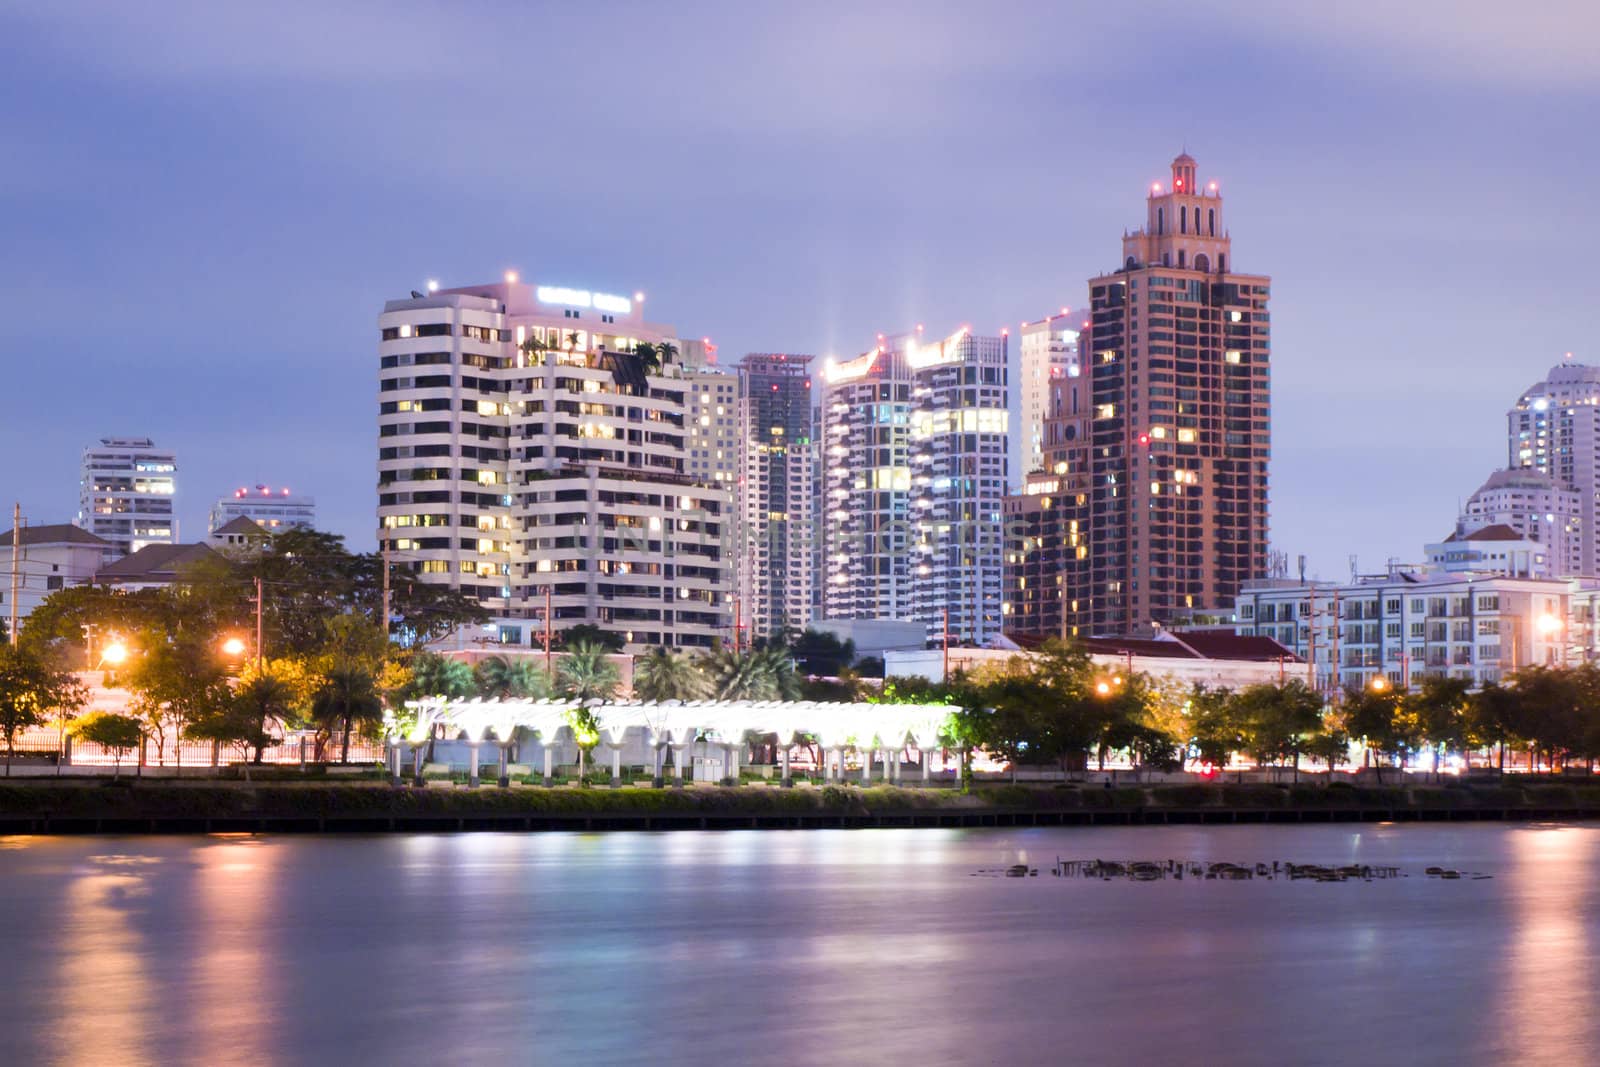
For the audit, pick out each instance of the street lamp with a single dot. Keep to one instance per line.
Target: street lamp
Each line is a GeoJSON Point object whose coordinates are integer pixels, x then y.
{"type": "Point", "coordinates": [114, 653]}
{"type": "Point", "coordinates": [1379, 683]}
{"type": "Point", "coordinates": [1548, 626]}
{"type": "Point", "coordinates": [233, 647]}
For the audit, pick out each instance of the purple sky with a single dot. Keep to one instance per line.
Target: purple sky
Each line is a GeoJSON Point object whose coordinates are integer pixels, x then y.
{"type": "Point", "coordinates": [204, 206]}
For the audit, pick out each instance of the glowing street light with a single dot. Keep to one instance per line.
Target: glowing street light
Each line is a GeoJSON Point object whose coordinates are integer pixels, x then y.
{"type": "Point", "coordinates": [115, 653]}
{"type": "Point", "coordinates": [233, 647]}
{"type": "Point", "coordinates": [1379, 683]}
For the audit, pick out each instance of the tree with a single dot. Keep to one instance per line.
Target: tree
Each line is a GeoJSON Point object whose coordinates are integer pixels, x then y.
{"type": "Point", "coordinates": [29, 690]}
{"type": "Point", "coordinates": [433, 675]}
{"type": "Point", "coordinates": [754, 674]}
{"type": "Point", "coordinates": [177, 680]}
{"type": "Point", "coordinates": [1278, 719]}
{"type": "Point", "coordinates": [347, 698]}
{"type": "Point", "coordinates": [587, 633]}
{"type": "Point", "coordinates": [1214, 725]}
{"type": "Point", "coordinates": [272, 693]}
{"type": "Point", "coordinates": [585, 674]}
{"type": "Point", "coordinates": [1497, 715]}
{"type": "Point", "coordinates": [663, 674]}
{"type": "Point", "coordinates": [119, 733]}
{"type": "Point", "coordinates": [503, 678]}
{"type": "Point", "coordinates": [1443, 712]}
{"type": "Point", "coordinates": [818, 652]}
{"type": "Point", "coordinates": [585, 732]}
{"type": "Point", "coordinates": [1376, 716]}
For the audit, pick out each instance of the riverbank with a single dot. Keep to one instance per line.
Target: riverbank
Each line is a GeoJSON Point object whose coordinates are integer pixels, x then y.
{"type": "Point", "coordinates": [67, 806]}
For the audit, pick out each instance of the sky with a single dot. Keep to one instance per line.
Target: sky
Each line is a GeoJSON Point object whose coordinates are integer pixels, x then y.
{"type": "Point", "coordinates": [204, 205]}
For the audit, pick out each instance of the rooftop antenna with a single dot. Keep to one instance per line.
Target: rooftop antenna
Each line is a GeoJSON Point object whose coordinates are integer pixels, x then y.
{"type": "Point", "coordinates": [1352, 566]}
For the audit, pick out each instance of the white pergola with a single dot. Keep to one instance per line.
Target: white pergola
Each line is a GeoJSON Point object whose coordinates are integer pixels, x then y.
{"type": "Point", "coordinates": [650, 728]}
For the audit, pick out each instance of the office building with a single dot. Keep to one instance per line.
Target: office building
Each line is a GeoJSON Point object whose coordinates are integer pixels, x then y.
{"type": "Point", "coordinates": [774, 556]}
{"type": "Point", "coordinates": [1176, 380]}
{"type": "Point", "coordinates": [125, 493]}
{"type": "Point", "coordinates": [272, 509]}
{"type": "Point", "coordinates": [530, 451]}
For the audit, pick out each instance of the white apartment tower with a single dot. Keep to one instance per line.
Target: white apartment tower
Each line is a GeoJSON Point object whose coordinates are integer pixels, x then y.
{"type": "Point", "coordinates": [1529, 502]}
{"type": "Point", "coordinates": [125, 493]}
{"type": "Point", "coordinates": [775, 551]}
{"type": "Point", "coordinates": [914, 453]}
{"type": "Point", "coordinates": [529, 453]}
{"type": "Point", "coordinates": [1554, 427]}
{"type": "Point", "coordinates": [1049, 354]}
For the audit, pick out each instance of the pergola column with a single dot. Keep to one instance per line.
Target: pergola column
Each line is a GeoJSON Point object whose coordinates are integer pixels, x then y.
{"type": "Point", "coordinates": [656, 754]}
{"type": "Point", "coordinates": [783, 758]}
{"type": "Point", "coordinates": [504, 777]}
{"type": "Point", "coordinates": [549, 755]}
{"type": "Point", "coordinates": [732, 769]}
{"type": "Point", "coordinates": [472, 768]}
{"type": "Point", "coordinates": [393, 761]}
{"type": "Point", "coordinates": [616, 765]}
{"type": "Point", "coordinates": [927, 764]}
{"type": "Point", "coordinates": [678, 751]}
{"type": "Point", "coordinates": [866, 765]}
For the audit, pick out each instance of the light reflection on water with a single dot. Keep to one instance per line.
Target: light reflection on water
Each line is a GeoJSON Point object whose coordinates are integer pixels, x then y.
{"type": "Point", "coordinates": [797, 947]}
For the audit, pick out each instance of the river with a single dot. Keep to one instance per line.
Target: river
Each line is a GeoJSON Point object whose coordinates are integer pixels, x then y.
{"type": "Point", "coordinates": [798, 947]}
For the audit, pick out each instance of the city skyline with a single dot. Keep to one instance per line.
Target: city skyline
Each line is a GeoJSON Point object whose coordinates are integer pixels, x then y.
{"type": "Point", "coordinates": [1450, 175]}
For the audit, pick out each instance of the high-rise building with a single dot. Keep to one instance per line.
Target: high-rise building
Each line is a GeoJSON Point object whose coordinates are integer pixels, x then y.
{"type": "Point", "coordinates": [1554, 427]}
{"type": "Point", "coordinates": [774, 555]}
{"type": "Point", "coordinates": [273, 509]}
{"type": "Point", "coordinates": [712, 425]}
{"type": "Point", "coordinates": [1528, 501]}
{"type": "Point", "coordinates": [1176, 379]}
{"type": "Point", "coordinates": [914, 439]}
{"type": "Point", "coordinates": [125, 493]}
{"type": "Point", "coordinates": [528, 449]}
{"type": "Point", "coordinates": [1048, 353]}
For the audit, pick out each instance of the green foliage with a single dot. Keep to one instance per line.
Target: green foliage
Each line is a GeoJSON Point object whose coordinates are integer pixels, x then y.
{"type": "Point", "coordinates": [31, 689]}
{"type": "Point", "coordinates": [433, 675]}
{"type": "Point", "coordinates": [587, 634]}
{"type": "Point", "coordinates": [752, 674]}
{"type": "Point", "coordinates": [119, 733]}
{"type": "Point", "coordinates": [510, 678]}
{"type": "Point", "coordinates": [586, 673]}
{"type": "Point", "coordinates": [817, 652]}
{"type": "Point", "coordinates": [662, 674]}
{"type": "Point", "coordinates": [348, 698]}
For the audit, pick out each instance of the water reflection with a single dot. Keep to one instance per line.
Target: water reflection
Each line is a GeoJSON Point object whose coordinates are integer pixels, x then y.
{"type": "Point", "coordinates": [804, 947]}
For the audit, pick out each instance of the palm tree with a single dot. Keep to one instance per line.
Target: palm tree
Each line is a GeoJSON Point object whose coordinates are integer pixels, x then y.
{"type": "Point", "coordinates": [668, 675]}
{"type": "Point", "coordinates": [500, 678]}
{"type": "Point", "coordinates": [349, 695]}
{"type": "Point", "coordinates": [666, 351]}
{"type": "Point", "coordinates": [649, 355]}
{"type": "Point", "coordinates": [757, 674]}
{"type": "Point", "coordinates": [432, 675]}
{"type": "Point", "coordinates": [261, 698]}
{"type": "Point", "coordinates": [585, 674]}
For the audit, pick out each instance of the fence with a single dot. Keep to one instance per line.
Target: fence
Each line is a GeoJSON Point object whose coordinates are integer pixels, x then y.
{"type": "Point", "coordinates": [49, 746]}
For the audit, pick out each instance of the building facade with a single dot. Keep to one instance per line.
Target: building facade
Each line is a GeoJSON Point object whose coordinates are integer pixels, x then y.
{"type": "Point", "coordinates": [774, 556]}
{"type": "Point", "coordinates": [914, 440]}
{"type": "Point", "coordinates": [1406, 625]}
{"type": "Point", "coordinates": [1530, 502]}
{"type": "Point", "coordinates": [1176, 382]}
{"type": "Point", "coordinates": [126, 490]}
{"type": "Point", "coordinates": [1554, 428]}
{"type": "Point", "coordinates": [1048, 354]}
{"type": "Point", "coordinates": [272, 509]}
{"type": "Point", "coordinates": [50, 557]}
{"type": "Point", "coordinates": [531, 454]}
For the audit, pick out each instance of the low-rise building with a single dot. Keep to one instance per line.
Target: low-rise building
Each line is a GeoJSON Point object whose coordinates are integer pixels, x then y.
{"type": "Point", "coordinates": [49, 558]}
{"type": "Point", "coordinates": [153, 566]}
{"type": "Point", "coordinates": [274, 509]}
{"type": "Point", "coordinates": [1409, 623]}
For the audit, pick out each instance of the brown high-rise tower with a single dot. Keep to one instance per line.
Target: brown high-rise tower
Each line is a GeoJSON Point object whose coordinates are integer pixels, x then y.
{"type": "Point", "coordinates": [1176, 386]}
